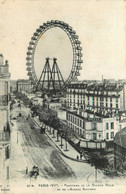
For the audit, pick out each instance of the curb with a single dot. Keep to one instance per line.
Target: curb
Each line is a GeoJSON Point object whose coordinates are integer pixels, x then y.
{"type": "Point", "coordinates": [68, 157]}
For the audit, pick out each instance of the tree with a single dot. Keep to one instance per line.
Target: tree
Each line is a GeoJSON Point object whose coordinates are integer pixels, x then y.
{"type": "Point", "coordinates": [99, 161]}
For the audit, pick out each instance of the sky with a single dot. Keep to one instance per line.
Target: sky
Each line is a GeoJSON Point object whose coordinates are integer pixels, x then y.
{"type": "Point", "coordinates": [100, 25]}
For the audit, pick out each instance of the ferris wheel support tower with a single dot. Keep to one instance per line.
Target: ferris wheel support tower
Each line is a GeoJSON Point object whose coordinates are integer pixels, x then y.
{"type": "Point", "coordinates": [50, 78]}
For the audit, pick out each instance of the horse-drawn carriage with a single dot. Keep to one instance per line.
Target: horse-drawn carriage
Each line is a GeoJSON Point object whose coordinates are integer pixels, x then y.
{"type": "Point", "coordinates": [34, 172]}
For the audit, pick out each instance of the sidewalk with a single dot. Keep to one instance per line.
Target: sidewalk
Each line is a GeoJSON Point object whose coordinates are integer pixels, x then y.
{"type": "Point", "coordinates": [17, 160]}
{"type": "Point", "coordinates": [19, 181]}
{"type": "Point", "coordinates": [65, 148]}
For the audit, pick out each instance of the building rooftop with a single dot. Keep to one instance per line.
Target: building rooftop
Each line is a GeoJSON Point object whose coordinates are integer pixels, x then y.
{"type": "Point", "coordinates": [97, 86]}
{"type": "Point", "coordinates": [23, 80]}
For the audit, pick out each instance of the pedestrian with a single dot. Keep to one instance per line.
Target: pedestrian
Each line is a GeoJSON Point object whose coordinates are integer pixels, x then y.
{"type": "Point", "coordinates": [26, 170]}
{"type": "Point", "coordinates": [80, 156]}
{"type": "Point", "coordinates": [37, 169]}
{"type": "Point", "coordinates": [77, 157]}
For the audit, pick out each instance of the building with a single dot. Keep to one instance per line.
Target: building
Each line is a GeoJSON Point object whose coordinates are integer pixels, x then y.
{"type": "Point", "coordinates": [24, 85]}
{"type": "Point", "coordinates": [4, 120]}
{"type": "Point", "coordinates": [13, 86]}
{"type": "Point", "coordinates": [107, 97]}
{"type": "Point", "coordinates": [120, 150]}
{"type": "Point", "coordinates": [59, 113]}
{"type": "Point", "coordinates": [91, 126]}
{"type": "Point", "coordinates": [53, 104]}
{"type": "Point", "coordinates": [37, 101]}
{"type": "Point", "coordinates": [30, 96]}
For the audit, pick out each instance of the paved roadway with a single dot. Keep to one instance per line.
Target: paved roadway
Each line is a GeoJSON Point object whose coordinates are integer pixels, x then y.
{"type": "Point", "coordinates": [40, 151]}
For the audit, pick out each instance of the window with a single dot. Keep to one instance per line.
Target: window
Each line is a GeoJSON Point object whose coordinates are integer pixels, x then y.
{"type": "Point", "coordinates": [101, 102]}
{"type": "Point", "coordinates": [88, 100]}
{"type": "Point", "coordinates": [112, 135]}
{"type": "Point", "coordinates": [93, 101]}
{"type": "Point", "coordinates": [107, 136]}
{"type": "Point", "coordinates": [117, 103]}
{"type": "Point", "coordinates": [7, 152]}
{"type": "Point", "coordinates": [83, 125]}
{"type": "Point", "coordinates": [110, 102]}
{"type": "Point", "coordinates": [94, 126]}
{"type": "Point", "coordinates": [112, 125]}
{"type": "Point", "coordinates": [94, 136]}
{"type": "Point", "coordinates": [80, 123]}
{"type": "Point", "coordinates": [106, 102]}
{"type": "Point", "coordinates": [107, 126]}
{"type": "Point", "coordinates": [73, 119]}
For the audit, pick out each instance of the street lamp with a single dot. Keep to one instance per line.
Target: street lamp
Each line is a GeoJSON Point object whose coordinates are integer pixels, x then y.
{"type": "Point", "coordinates": [53, 133]}
{"type": "Point", "coordinates": [17, 137]}
{"type": "Point", "coordinates": [66, 145]}
{"type": "Point", "coordinates": [61, 142]}
{"type": "Point", "coordinates": [57, 137]}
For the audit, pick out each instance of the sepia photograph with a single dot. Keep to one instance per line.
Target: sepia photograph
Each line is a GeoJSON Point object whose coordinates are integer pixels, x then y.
{"type": "Point", "coordinates": [62, 96]}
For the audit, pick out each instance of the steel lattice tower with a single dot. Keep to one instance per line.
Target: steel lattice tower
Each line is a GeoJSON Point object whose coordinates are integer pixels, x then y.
{"type": "Point", "coordinates": [50, 79]}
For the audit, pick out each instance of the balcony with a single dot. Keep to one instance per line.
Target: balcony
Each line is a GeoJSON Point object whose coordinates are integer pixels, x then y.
{"type": "Point", "coordinates": [4, 136]}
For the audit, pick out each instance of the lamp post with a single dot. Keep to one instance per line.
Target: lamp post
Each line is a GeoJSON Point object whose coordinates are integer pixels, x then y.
{"type": "Point", "coordinates": [17, 137]}
{"type": "Point", "coordinates": [57, 137]}
{"type": "Point", "coordinates": [95, 173]}
{"type": "Point", "coordinates": [61, 142]}
{"type": "Point", "coordinates": [53, 134]}
{"type": "Point", "coordinates": [66, 145]}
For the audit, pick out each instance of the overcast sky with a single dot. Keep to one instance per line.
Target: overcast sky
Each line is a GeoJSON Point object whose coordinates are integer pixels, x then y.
{"type": "Point", "coordinates": [100, 25]}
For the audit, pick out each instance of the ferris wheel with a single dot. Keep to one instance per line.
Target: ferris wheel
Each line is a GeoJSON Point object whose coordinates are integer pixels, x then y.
{"type": "Point", "coordinates": [45, 69]}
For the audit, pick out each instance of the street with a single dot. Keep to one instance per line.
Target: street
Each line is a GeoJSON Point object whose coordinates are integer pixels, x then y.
{"type": "Point", "coordinates": [40, 151]}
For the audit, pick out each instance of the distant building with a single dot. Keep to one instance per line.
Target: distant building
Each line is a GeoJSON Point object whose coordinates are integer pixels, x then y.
{"type": "Point", "coordinates": [24, 85]}
{"type": "Point", "coordinates": [54, 104]}
{"type": "Point", "coordinates": [13, 86]}
{"type": "Point", "coordinates": [107, 97]}
{"type": "Point", "coordinates": [59, 113]}
{"type": "Point", "coordinates": [4, 120]}
{"type": "Point", "coordinates": [37, 101]}
{"type": "Point", "coordinates": [4, 67]}
{"type": "Point", "coordinates": [30, 96]}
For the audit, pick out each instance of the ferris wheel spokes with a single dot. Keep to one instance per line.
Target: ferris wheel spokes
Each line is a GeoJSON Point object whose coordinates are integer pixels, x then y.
{"type": "Point", "coordinates": [76, 62]}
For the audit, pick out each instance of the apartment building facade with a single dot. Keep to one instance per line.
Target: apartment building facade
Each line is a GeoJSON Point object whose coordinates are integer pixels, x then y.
{"type": "Point", "coordinates": [92, 127]}
{"type": "Point", "coordinates": [4, 120]}
{"type": "Point", "coordinates": [24, 85]}
{"type": "Point", "coordinates": [103, 97]}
